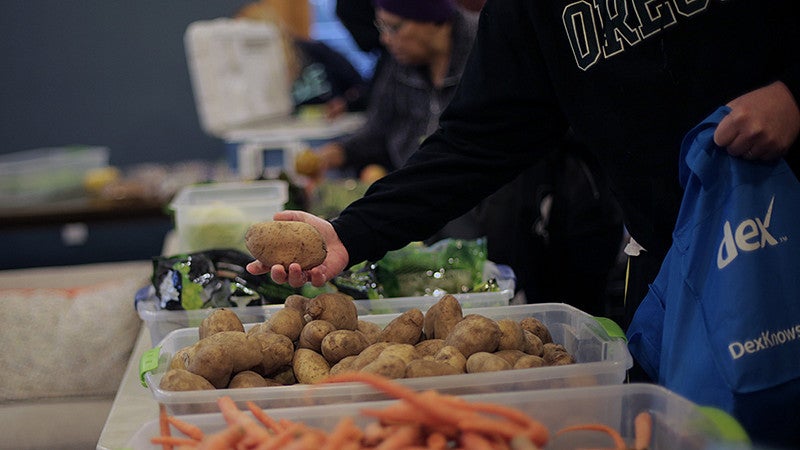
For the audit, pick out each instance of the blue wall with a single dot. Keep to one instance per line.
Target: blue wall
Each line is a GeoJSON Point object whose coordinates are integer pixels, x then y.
{"type": "Point", "coordinates": [103, 72]}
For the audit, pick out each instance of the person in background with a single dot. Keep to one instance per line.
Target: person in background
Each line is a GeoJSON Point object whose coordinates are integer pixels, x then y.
{"type": "Point", "coordinates": [320, 75]}
{"type": "Point", "coordinates": [629, 80]}
{"type": "Point", "coordinates": [358, 17]}
{"type": "Point", "coordinates": [428, 41]}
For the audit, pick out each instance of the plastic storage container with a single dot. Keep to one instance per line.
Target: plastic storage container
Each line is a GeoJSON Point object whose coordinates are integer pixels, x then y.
{"type": "Point", "coordinates": [677, 422]}
{"type": "Point", "coordinates": [600, 351]}
{"type": "Point", "coordinates": [161, 322]}
{"type": "Point", "coordinates": [272, 147]}
{"type": "Point", "coordinates": [243, 96]}
{"type": "Point", "coordinates": [218, 215]}
{"type": "Point", "coordinates": [238, 72]}
{"type": "Point", "coordinates": [46, 174]}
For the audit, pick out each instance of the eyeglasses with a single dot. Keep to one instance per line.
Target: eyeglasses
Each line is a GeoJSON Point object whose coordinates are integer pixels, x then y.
{"type": "Point", "coordinates": [387, 28]}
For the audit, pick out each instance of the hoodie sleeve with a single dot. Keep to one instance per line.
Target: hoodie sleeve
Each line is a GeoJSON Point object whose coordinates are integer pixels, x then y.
{"type": "Point", "coordinates": [501, 120]}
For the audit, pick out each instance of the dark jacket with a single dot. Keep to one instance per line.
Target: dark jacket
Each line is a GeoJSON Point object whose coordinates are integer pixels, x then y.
{"type": "Point", "coordinates": [630, 89]}
{"type": "Point", "coordinates": [407, 106]}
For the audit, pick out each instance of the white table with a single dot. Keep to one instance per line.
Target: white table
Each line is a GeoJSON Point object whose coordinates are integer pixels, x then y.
{"type": "Point", "coordinates": [133, 405]}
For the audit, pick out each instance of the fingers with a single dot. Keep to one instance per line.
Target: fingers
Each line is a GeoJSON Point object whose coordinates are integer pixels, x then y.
{"type": "Point", "coordinates": [257, 268]}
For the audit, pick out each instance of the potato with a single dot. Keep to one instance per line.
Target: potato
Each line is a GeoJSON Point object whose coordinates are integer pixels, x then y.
{"type": "Point", "coordinates": [512, 335]}
{"type": "Point", "coordinates": [221, 319]}
{"type": "Point", "coordinates": [212, 362]}
{"type": "Point", "coordinates": [406, 352]}
{"type": "Point", "coordinates": [429, 347]}
{"type": "Point", "coordinates": [247, 379]}
{"type": "Point", "coordinates": [452, 356]}
{"type": "Point", "coordinates": [336, 308]}
{"type": "Point", "coordinates": [286, 242]}
{"type": "Point", "coordinates": [442, 317]}
{"type": "Point", "coordinates": [536, 327]}
{"type": "Point", "coordinates": [244, 351]}
{"type": "Point", "coordinates": [183, 380]}
{"type": "Point", "coordinates": [510, 355]}
{"type": "Point", "coordinates": [424, 368]}
{"type": "Point", "coordinates": [309, 366]}
{"type": "Point", "coordinates": [257, 328]}
{"type": "Point", "coordinates": [473, 334]}
{"type": "Point", "coordinates": [296, 301]}
{"type": "Point", "coordinates": [344, 365]}
{"type": "Point", "coordinates": [286, 321]}
{"type": "Point", "coordinates": [181, 357]}
{"type": "Point", "coordinates": [342, 343]}
{"type": "Point", "coordinates": [277, 351]}
{"type": "Point", "coordinates": [284, 376]}
{"type": "Point", "coordinates": [486, 362]}
{"type": "Point", "coordinates": [533, 345]}
{"type": "Point", "coordinates": [313, 333]}
{"type": "Point", "coordinates": [369, 354]}
{"type": "Point", "coordinates": [389, 366]}
{"type": "Point", "coordinates": [529, 361]}
{"type": "Point", "coordinates": [404, 329]}
{"type": "Point", "coordinates": [556, 355]}
{"type": "Point", "coordinates": [371, 330]}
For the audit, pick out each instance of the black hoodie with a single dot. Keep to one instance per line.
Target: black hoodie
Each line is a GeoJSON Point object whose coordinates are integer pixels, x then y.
{"type": "Point", "coordinates": [629, 77]}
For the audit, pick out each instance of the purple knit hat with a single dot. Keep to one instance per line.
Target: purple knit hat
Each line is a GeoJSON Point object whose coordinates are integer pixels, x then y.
{"type": "Point", "coordinates": [437, 11]}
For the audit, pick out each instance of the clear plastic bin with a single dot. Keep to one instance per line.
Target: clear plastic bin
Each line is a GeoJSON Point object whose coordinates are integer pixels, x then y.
{"type": "Point", "coordinates": [218, 215]}
{"type": "Point", "coordinates": [600, 351]}
{"type": "Point", "coordinates": [677, 422]}
{"type": "Point", "coordinates": [161, 322]}
{"type": "Point", "coordinates": [46, 174]}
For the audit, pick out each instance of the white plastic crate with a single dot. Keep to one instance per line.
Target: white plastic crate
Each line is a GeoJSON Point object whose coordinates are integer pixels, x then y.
{"type": "Point", "coordinates": [46, 174]}
{"type": "Point", "coordinates": [218, 215]}
{"type": "Point", "coordinates": [602, 359]}
{"type": "Point", "coordinates": [677, 422]}
{"type": "Point", "coordinates": [161, 322]}
{"type": "Point", "coordinates": [238, 73]}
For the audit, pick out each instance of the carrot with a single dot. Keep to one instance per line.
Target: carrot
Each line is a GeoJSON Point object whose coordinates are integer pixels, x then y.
{"type": "Point", "coordinates": [284, 437]}
{"type": "Point", "coordinates": [186, 428]}
{"type": "Point", "coordinates": [225, 439]}
{"type": "Point", "coordinates": [536, 430]}
{"type": "Point", "coordinates": [522, 443]}
{"type": "Point", "coordinates": [344, 431]}
{"type": "Point", "coordinates": [619, 443]}
{"type": "Point", "coordinates": [264, 418]}
{"type": "Point", "coordinates": [436, 441]}
{"type": "Point", "coordinates": [374, 432]}
{"type": "Point", "coordinates": [437, 410]}
{"type": "Point", "coordinates": [163, 422]}
{"type": "Point", "coordinates": [474, 441]}
{"type": "Point", "coordinates": [491, 427]}
{"type": "Point", "coordinates": [643, 426]}
{"type": "Point", "coordinates": [174, 440]}
{"type": "Point", "coordinates": [405, 436]}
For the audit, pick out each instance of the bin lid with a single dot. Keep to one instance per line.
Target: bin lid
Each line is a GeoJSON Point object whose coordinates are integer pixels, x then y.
{"type": "Point", "coordinates": [238, 73]}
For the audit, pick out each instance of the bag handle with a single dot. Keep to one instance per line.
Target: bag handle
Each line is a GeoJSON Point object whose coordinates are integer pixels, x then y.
{"type": "Point", "coordinates": [698, 149]}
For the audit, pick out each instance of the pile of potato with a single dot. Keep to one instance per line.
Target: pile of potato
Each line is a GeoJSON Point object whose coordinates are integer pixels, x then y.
{"type": "Point", "coordinates": [309, 339]}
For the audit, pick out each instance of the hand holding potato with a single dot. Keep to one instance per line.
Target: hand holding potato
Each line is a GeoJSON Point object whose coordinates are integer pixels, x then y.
{"type": "Point", "coordinates": [334, 263]}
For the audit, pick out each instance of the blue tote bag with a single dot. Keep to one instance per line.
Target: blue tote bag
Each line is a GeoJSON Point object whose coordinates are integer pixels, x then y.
{"type": "Point", "coordinates": [721, 322]}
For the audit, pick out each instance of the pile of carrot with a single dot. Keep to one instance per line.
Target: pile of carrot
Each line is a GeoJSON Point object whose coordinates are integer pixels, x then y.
{"type": "Point", "coordinates": [419, 420]}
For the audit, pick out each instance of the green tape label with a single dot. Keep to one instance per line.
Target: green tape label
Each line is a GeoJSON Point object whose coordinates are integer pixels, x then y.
{"type": "Point", "coordinates": [148, 362]}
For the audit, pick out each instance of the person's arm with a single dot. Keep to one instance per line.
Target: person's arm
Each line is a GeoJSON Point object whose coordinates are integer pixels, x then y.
{"type": "Point", "coordinates": [765, 122]}
{"type": "Point", "coordinates": [762, 124]}
{"type": "Point", "coordinates": [502, 119]}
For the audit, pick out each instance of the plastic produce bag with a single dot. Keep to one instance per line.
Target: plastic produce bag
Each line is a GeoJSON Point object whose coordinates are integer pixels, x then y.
{"type": "Point", "coordinates": [449, 266]}
{"type": "Point", "coordinates": [212, 279]}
